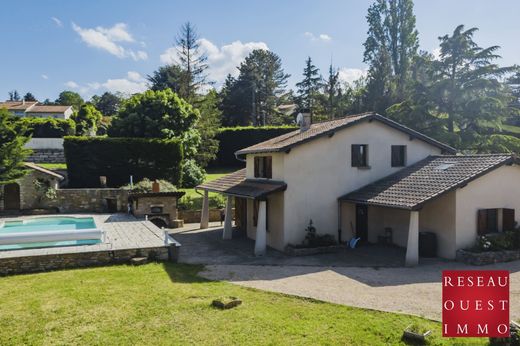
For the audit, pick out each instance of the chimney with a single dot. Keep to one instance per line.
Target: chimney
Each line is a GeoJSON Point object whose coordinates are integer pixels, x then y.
{"type": "Point", "coordinates": [156, 188]}
{"type": "Point", "coordinates": [304, 120]}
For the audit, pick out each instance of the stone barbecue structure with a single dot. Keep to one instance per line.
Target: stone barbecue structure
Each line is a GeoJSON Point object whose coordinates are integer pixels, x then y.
{"type": "Point", "coordinates": [158, 207]}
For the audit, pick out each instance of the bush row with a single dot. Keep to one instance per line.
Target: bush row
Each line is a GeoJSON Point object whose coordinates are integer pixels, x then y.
{"type": "Point", "coordinates": [233, 139]}
{"type": "Point", "coordinates": [48, 127]}
{"type": "Point", "coordinates": [88, 158]}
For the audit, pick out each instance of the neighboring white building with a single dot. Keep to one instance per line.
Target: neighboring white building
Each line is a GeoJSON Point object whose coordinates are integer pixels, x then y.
{"type": "Point", "coordinates": [37, 110]}
{"type": "Point", "coordinates": [361, 176]}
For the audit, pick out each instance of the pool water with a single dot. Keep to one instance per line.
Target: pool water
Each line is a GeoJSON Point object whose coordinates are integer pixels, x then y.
{"type": "Point", "coordinates": [48, 224]}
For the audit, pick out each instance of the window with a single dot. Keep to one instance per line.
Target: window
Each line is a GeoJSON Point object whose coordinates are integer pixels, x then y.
{"type": "Point", "coordinates": [263, 167]}
{"type": "Point", "coordinates": [359, 155]}
{"type": "Point", "coordinates": [398, 155]}
{"type": "Point", "coordinates": [495, 220]}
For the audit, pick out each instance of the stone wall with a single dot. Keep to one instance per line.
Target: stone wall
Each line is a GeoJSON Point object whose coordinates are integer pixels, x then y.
{"type": "Point", "coordinates": [193, 216]}
{"type": "Point", "coordinates": [487, 257]}
{"type": "Point", "coordinates": [47, 156]}
{"type": "Point", "coordinates": [31, 264]}
{"type": "Point", "coordinates": [88, 200]}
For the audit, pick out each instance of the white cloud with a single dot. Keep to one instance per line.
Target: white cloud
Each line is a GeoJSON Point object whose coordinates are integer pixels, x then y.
{"type": "Point", "coordinates": [57, 22]}
{"type": "Point", "coordinates": [221, 61]}
{"type": "Point", "coordinates": [110, 39]}
{"type": "Point", "coordinates": [131, 84]}
{"type": "Point", "coordinates": [320, 37]}
{"type": "Point", "coordinates": [349, 75]}
{"type": "Point", "coordinates": [72, 84]}
{"type": "Point", "coordinates": [44, 76]}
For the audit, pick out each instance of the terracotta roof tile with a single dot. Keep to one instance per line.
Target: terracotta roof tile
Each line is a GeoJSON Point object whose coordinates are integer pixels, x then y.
{"type": "Point", "coordinates": [414, 185]}
{"type": "Point", "coordinates": [288, 140]}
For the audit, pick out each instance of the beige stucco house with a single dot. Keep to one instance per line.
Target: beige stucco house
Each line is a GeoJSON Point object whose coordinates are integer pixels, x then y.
{"type": "Point", "coordinates": [361, 176]}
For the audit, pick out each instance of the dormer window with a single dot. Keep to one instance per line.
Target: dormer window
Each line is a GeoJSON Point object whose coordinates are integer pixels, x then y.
{"type": "Point", "coordinates": [359, 155]}
{"type": "Point", "coordinates": [263, 167]}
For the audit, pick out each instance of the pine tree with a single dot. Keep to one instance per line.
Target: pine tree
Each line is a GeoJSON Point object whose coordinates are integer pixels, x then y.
{"type": "Point", "coordinates": [29, 97]}
{"type": "Point", "coordinates": [12, 150]}
{"type": "Point", "coordinates": [192, 61]}
{"type": "Point", "coordinates": [332, 92]}
{"type": "Point", "coordinates": [309, 87]}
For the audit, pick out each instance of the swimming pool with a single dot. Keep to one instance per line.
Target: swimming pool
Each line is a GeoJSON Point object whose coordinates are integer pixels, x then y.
{"type": "Point", "coordinates": [49, 232]}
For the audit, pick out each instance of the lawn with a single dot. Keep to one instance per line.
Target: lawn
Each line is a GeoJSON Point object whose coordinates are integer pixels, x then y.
{"type": "Point", "coordinates": [162, 304]}
{"type": "Point", "coordinates": [215, 198]}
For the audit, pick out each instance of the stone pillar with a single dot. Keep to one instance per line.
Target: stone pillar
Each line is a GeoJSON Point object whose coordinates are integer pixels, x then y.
{"type": "Point", "coordinates": [228, 220]}
{"type": "Point", "coordinates": [412, 248]}
{"type": "Point", "coordinates": [204, 215]}
{"type": "Point", "coordinates": [261, 229]}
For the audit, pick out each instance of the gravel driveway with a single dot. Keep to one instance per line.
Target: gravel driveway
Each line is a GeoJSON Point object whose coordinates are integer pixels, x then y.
{"type": "Point", "coordinates": [415, 291]}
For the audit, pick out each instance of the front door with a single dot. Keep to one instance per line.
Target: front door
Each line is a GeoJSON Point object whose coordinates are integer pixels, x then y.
{"type": "Point", "coordinates": [241, 213]}
{"type": "Point", "coordinates": [12, 197]}
{"type": "Point", "coordinates": [362, 222]}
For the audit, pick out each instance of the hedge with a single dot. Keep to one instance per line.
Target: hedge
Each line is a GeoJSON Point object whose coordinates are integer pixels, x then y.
{"type": "Point", "coordinates": [48, 127]}
{"type": "Point", "coordinates": [233, 139]}
{"type": "Point", "coordinates": [88, 158]}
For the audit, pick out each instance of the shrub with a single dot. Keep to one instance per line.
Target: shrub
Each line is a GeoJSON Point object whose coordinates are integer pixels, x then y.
{"type": "Point", "coordinates": [187, 202]}
{"type": "Point", "coordinates": [192, 175]}
{"type": "Point", "coordinates": [145, 185]}
{"type": "Point", "coordinates": [47, 127]}
{"type": "Point", "coordinates": [88, 158]}
{"type": "Point", "coordinates": [312, 239]}
{"type": "Point", "coordinates": [509, 240]}
{"type": "Point", "coordinates": [233, 139]}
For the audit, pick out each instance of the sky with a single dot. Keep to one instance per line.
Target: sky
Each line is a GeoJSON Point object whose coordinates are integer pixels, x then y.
{"type": "Point", "coordinates": [96, 46]}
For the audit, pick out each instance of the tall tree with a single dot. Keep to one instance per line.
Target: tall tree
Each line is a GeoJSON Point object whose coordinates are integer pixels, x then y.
{"type": "Point", "coordinates": [309, 87]}
{"type": "Point", "coordinates": [261, 81]}
{"type": "Point", "coordinates": [29, 97]}
{"type": "Point", "coordinates": [169, 76]}
{"type": "Point", "coordinates": [332, 88]}
{"type": "Point", "coordinates": [467, 86]}
{"type": "Point", "coordinates": [12, 150]}
{"type": "Point", "coordinates": [70, 98]}
{"type": "Point", "coordinates": [192, 61]}
{"type": "Point", "coordinates": [108, 103]}
{"type": "Point", "coordinates": [390, 48]}
{"type": "Point", "coordinates": [14, 95]}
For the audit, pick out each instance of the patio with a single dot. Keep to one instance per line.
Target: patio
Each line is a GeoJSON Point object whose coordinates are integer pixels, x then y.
{"type": "Point", "coordinates": [206, 246]}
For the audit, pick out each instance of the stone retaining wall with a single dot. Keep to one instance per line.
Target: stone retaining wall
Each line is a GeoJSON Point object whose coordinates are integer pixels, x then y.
{"type": "Point", "coordinates": [193, 216]}
{"type": "Point", "coordinates": [47, 156]}
{"type": "Point", "coordinates": [31, 264]}
{"type": "Point", "coordinates": [488, 257]}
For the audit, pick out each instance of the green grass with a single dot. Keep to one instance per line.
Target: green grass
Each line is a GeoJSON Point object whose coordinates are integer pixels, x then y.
{"type": "Point", "coordinates": [158, 304]}
{"type": "Point", "coordinates": [197, 198]}
{"type": "Point", "coordinates": [53, 165]}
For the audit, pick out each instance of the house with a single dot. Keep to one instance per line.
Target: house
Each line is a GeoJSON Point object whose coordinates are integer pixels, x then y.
{"type": "Point", "coordinates": [37, 110]}
{"type": "Point", "coordinates": [361, 176]}
{"type": "Point", "coordinates": [27, 192]}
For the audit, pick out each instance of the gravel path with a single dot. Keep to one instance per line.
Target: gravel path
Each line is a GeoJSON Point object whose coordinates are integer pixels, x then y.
{"type": "Point", "coordinates": [415, 291]}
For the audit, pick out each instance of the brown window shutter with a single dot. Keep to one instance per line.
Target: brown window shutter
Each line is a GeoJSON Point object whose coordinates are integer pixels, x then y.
{"type": "Point", "coordinates": [482, 222]}
{"type": "Point", "coordinates": [508, 219]}
{"type": "Point", "coordinates": [268, 167]}
{"type": "Point", "coordinates": [255, 212]}
{"type": "Point", "coordinates": [257, 166]}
